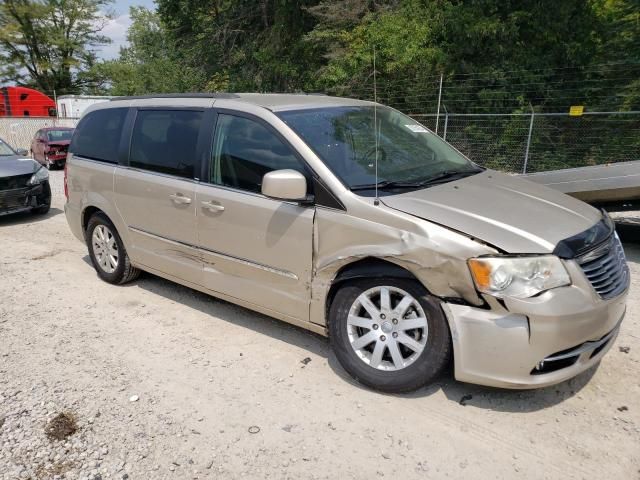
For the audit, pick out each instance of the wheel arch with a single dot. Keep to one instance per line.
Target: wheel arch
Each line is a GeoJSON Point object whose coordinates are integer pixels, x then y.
{"type": "Point", "coordinates": [368, 267]}
{"type": "Point", "coordinates": [87, 213]}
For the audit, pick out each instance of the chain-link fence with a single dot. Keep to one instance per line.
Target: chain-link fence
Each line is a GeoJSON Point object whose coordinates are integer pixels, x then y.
{"type": "Point", "coordinates": [510, 142]}
{"type": "Point", "coordinates": [19, 131]}
{"type": "Point", "coordinates": [540, 141]}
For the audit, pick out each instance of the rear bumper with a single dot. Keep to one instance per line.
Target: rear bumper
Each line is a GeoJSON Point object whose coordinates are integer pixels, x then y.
{"type": "Point", "coordinates": [74, 219]}
{"type": "Point", "coordinates": [534, 343]}
{"type": "Point", "coordinates": [23, 199]}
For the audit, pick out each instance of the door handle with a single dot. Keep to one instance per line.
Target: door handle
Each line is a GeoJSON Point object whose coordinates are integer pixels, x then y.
{"type": "Point", "coordinates": [180, 199]}
{"type": "Point", "coordinates": [213, 207]}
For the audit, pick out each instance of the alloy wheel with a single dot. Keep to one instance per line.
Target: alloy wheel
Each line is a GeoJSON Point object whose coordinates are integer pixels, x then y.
{"type": "Point", "coordinates": [105, 248]}
{"type": "Point", "coordinates": [387, 328]}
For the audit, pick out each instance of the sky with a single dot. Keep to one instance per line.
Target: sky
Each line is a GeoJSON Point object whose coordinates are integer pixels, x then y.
{"type": "Point", "coordinates": [116, 28]}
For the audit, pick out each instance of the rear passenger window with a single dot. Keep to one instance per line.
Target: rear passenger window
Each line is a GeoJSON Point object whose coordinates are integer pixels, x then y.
{"type": "Point", "coordinates": [165, 141]}
{"type": "Point", "coordinates": [97, 136]}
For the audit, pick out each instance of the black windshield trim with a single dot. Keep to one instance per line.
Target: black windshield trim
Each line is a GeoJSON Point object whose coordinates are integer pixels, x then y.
{"type": "Point", "coordinates": [445, 177]}
{"type": "Point", "coordinates": [583, 242]}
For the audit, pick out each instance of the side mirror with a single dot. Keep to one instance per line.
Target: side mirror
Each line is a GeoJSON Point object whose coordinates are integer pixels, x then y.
{"type": "Point", "coordinates": [22, 151]}
{"type": "Point", "coordinates": [285, 185]}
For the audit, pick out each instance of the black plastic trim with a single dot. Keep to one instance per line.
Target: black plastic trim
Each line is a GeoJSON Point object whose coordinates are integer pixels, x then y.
{"type": "Point", "coordinates": [583, 242]}
{"type": "Point", "coordinates": [125, 138]}
{"type": "Point", "coordinates": [324, 196]}
{"type": "Point", "coordinates": [178, 95]}
{"type": "Point", "coordinates": [372, 268]}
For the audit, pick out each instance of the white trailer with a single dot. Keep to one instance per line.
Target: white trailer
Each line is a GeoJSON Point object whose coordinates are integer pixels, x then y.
{"type": "Point", "coordinates": [73, 106]}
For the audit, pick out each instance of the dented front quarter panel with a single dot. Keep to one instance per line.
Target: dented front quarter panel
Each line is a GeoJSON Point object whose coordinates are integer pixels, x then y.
{"type": "Point", "coordinates": [435, 255]}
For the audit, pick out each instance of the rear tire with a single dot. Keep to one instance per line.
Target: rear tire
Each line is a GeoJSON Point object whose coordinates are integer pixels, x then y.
{"type": "Point", "coordinates": [390, 334]}
{"type": "Point", "coordinates": [107, 252]}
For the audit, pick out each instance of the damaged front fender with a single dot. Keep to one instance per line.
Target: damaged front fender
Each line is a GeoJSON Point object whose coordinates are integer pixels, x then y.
{"type": "Point", "coordinates": [433, 254]}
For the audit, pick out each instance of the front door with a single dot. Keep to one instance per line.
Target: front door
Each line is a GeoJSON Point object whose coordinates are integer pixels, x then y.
{"type": "Point", "coordinates": [254, 248]}
{"type": "Point", "coordinates": [155, 193]}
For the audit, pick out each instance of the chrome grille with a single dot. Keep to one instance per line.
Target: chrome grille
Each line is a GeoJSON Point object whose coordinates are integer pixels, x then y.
{"type": "Point", "coordinates": [606, 268]}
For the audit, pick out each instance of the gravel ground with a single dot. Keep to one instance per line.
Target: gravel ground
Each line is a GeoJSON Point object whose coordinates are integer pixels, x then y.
{"type": "Point", "coordinates": [165, 382]}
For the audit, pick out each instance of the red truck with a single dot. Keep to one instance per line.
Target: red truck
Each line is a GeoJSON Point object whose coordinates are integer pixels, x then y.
{"type": "Point", "coordinates": [25, 102]}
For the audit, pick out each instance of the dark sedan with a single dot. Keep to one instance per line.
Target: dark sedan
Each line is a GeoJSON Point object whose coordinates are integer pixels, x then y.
{"type": "Point", "coordinates": [24, 183]}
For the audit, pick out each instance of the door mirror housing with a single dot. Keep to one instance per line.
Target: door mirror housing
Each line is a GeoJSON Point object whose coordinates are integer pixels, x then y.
{"type": "Point", "coordinates": [285, 185]}
{"type": "Point", "coordinates": [22, 151]}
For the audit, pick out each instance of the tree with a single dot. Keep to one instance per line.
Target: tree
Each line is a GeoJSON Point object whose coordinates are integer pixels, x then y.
{"type": "Point", "coordinates": [47, 43]}
{"type": "Point", "coordinates": [494, 55]}
{"type": "Point", "coordinates": [417, 41]}
{"type": "Point", "coordinates": [151, 63]}
{"type": "Point", "coordinates": [256, 45]}
{"type": "Point", "coordinates": [620, 49]}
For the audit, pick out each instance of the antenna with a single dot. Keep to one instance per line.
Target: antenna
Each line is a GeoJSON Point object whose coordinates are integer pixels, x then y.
{"type": "Point", "coordinates": [376, 200]}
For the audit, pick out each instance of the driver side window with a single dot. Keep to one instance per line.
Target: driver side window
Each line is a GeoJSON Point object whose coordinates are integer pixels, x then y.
{"type": "Point", "coordinates": [245, 150]}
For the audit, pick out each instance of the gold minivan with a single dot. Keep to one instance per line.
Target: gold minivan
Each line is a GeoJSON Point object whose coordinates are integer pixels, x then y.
{"type": "Point", "coordinates": [354, 221]}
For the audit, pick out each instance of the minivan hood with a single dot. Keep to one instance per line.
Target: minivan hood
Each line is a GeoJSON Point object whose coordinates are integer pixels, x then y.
{"type": "Point", "coordinates": [512, 214]}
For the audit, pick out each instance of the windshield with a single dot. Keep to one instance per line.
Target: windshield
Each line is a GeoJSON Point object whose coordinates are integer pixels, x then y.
{"type": "Point", "coordinates": [5, 150]}
{"type": "Point", "coordinates": [408, 153]}
{"type": "Point", "coordinates": [57, 135]}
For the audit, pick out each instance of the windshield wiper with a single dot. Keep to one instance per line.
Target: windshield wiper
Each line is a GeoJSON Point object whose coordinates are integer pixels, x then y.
{"type": "Point", "coordinates": [386, 185]}
{"type": "Point", "coordinates": [441, 177]}
{"type": "Point", "coordinates": [449, 175]}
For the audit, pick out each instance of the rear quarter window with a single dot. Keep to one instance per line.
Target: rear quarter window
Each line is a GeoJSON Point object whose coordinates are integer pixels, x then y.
{"type": "Point", "coordinates": [97, 136]}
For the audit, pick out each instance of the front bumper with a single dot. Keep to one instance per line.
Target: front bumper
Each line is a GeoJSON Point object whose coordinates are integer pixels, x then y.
{"type": "Point", "coordinates": [57, 158]}
{"type": "Point", "coordinates": [23, 199]}
{"type": "Point", "coordinates": [534, 342]}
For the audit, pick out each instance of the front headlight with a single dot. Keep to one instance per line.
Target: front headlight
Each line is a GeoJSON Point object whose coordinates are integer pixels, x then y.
{"type": "Point", "coordinates": [40, 176]}
{"type": "Point", "coordinates": [518, 277]}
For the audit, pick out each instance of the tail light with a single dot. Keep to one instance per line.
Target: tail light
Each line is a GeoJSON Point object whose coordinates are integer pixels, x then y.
{"type": "Point", "coordinates": [66, 188]}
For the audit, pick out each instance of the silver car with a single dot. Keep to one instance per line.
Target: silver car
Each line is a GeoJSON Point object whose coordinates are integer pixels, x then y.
{"type": "Point", "coordinates": [354, 221]}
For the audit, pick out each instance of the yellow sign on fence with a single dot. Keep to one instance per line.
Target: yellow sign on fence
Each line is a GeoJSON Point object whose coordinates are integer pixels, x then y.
{"type": "Point", "coordinates": [576, 110]}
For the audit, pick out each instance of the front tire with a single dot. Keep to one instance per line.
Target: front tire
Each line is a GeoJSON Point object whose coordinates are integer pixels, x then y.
{"type": "Point", "coordinates": [108, 254]}
{"type": "Point", "coordinates": [389, 334]}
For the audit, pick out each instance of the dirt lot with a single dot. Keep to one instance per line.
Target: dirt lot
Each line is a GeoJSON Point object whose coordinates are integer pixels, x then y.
{"type": "Point", "coordinates": [165, 382]}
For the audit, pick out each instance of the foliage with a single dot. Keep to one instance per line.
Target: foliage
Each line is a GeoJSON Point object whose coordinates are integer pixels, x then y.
{"type": "Point", "coordinates": [509, 42]}
{"type": "Point", "coordinates": [255, 45]}
{"type": "Point", "coordinates": [492, 56]}
{"type": "Point", "coordinates": [48, 43]}
{"type": "Point", "coordinates": [151, 63]}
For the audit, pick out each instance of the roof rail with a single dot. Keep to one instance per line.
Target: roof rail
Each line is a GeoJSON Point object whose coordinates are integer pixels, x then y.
{"type": "Point", "coordinates": [178, 95]}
